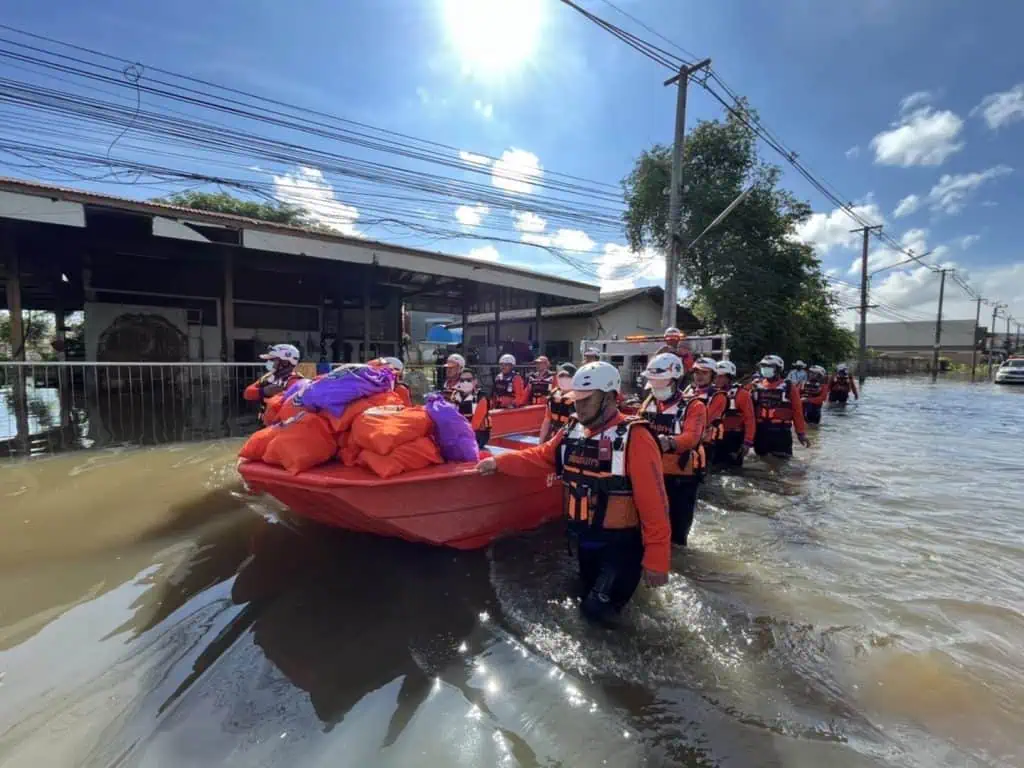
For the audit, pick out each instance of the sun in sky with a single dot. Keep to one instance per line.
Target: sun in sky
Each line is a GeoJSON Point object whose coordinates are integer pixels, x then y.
{"type": "Point", "coordinates": [493, 37]}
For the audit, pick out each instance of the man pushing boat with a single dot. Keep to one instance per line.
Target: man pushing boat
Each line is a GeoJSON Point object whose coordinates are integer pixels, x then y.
{"type": "Point", "coordinates": [615, 499]}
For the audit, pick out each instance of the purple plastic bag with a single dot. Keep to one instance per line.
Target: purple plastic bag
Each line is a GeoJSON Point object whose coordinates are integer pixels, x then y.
{"type": "Point", "coordinates": [452, 433]}
{"type": "Point", "coordinates": [297, 388]}
{"type": "Point", "coordinates": [336, 390]}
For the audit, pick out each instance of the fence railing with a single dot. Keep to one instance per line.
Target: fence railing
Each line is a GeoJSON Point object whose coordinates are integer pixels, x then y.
{"type": "Point", "coordinates": [49, 407]}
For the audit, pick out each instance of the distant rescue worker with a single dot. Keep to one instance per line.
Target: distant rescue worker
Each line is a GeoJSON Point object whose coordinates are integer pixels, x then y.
{"type": "Point", "coordinates": [841, 385]}
{"type": "Point", "coordinates": [778, 410]}
{"type": "Point", "coordinates": [540, 382]}
{"type": "Point", "coordinates": [675, 342]}
{"type": "Point", "coordinates": [453, 368]}
{"type": "Point", "coordinates": [591, 355]}
{"type": "Point", "coordinates": [736, 429]}
{"type": "Point", "coordinates": [679, 425]}
{"type": "Point", "coordinates": [474, 405]}
{"type": "Point", "coordinates": [509, 389]}
{"type": "Point", "coordinates": [703, 387]}
{"type": "Point", "coordinates": [814, 392]}
{"type": "Point", "coordinates": [560, 403]}
{"type": "Point", "coordinates": [614, 496]}
{"type": "Point", "coordinates": [281, 361]}
{"type": "Point", "coordinates": [401, 388]}
{"type": "Point", "coordinates": [799, 373]}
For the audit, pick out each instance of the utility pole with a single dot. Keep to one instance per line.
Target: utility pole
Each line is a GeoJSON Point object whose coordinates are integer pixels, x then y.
{"type": "Point", "coordinates": [974, 347]}
{"type": "Point", "coordinates": [862, 356]}
{"type": "Point", "coordinates": [992, 330]}
{"type": "Point", "coordinates": [938, 325]}
{"type": "Point", "coordinates": [675, 204]}
{"type": "Point", "coordinates": [1016, 343]}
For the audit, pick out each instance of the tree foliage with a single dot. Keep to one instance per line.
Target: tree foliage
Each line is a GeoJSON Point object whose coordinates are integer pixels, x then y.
{"type": "Point", "coordinates": [749, 276]}
{"type": "Point", "coordinates": [221, 202]}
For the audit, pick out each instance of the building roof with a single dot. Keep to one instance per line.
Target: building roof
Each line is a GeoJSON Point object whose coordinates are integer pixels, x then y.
{"type": "Point", "coordinates": [607, 302]}
{"type": "Point", "coordinates": [68, 206]}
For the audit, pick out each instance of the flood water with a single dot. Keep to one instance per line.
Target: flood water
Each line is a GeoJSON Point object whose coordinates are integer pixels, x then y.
{"type": "Point", "coordinates": [862, 607]}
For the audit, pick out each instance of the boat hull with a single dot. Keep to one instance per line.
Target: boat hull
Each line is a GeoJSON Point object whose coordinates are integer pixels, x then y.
{"type": "Point", "coordinates": [449, 505]}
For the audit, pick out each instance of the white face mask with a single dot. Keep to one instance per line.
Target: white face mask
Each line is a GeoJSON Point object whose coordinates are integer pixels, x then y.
{"type": "Point", "coordinates": [565, 383]}
{"type": "Point", "coordinates": [466, 387]}
{"type": "Point", "coordinates": [662, 392]}
{"type": "Point", "coordinates": [767, 371]}
{"type": "Point", "coordinates": [269, 365]}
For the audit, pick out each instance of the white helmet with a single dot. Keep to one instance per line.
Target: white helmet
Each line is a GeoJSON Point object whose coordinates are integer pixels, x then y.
{"type": "Point", "coordinates": [394, 363]}
{"type": "Point", "coordinates": [672, 331]}
{"type": "Point", "coordinates": [600, 377]}
{"type": "Point", "coordinates": [456, 359]}
{"type": "Point", "coordinates": [816, 369]}
{"type": "Point", "coordinates": [772, 360]}
{"type": "Point", "coordinates": [664, 366]}
{"type": "Point", "coordinates": [799, 364]}
{"type": "Point", "coordinates": [842, 368]}
{"type": "Point", "coordinates": [287, 353]}
{"type": "Point", "coordinates": [591, 352]}
{"type": "Point", "coordinates": [506, 360]}
{"type": "Point", "coordinates": [727, 367]}
{"type": "Point", "coordinates": [706, 363]}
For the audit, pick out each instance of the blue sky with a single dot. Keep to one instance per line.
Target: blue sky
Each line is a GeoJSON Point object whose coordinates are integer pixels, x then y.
{"type": "Point", "coordinates": [914, 111]}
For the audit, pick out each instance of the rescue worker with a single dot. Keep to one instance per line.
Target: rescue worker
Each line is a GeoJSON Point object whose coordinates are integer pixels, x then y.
{"type": "Point", "coordinates": [509, 389]}
{"type": "Point", "coordinates": [675, 342]}
{"type": "Point", "coordinates": [453, 368]}
{"type": "Point", "coordinates": [540, 382]}
{"type": "Point", "coordinates": [679, 425]}
{"type": "Point", "coordinates": [281, 361]}
{"type": "Point", "coordinates": [814, 393]}
{"type": "Point", "coordinates": [591, 355]}
{"type": "Point", "coordinates": [614, 498]}
{"type": "Point", "coordinates": [401, 388]}
{"type": "Point", "coordinates": [560, 404]}
{"type": "Point", "coordinates": [778, 410]}
{"type": "Point", "coordinates": [841, 385]}
{"type": "Point", "coordinates": [474, 405]}
{"type": "Point", "coordinates": [735, 433]}
{"type": "Point", "coordinates": [799, 373]}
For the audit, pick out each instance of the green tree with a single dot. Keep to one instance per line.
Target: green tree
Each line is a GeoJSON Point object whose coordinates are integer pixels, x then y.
{"type": "Point", "coordinates": [221, 202]}
{"type": "Point", "coordinates": [749, 276]}
{"type": "Point", "coordinates": [38, 330]}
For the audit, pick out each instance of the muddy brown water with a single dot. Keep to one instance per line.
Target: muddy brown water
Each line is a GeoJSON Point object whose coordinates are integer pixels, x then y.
{"type": "Point", "coordinates": [862, 607]}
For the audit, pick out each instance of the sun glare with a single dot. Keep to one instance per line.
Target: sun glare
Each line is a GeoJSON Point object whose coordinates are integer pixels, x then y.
{"type": "Point", "coordinates": [492, 37]}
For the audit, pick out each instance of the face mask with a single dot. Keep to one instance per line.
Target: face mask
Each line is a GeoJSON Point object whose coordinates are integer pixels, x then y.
{"type": "Point", "coordinates": [662, 393]}
{"type": "Point", "coordinates": [590, 410]}
{"type": "Point", "coordinates": [564, 383]}
{"type": "Point", "coordinates": [466, 387]}
{"type": "Point", "coordinates": [768, 371]}
{"type": "Point", "coordinates": [269, 365]}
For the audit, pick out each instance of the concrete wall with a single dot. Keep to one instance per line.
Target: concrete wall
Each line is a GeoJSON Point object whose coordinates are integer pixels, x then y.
{"type": "Point", "coordinates": [955, 333]}
{"type": "Point", "coordinates": [99, 316]}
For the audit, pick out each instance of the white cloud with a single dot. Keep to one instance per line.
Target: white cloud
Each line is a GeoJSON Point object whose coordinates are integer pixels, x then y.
{"type": "Point", "coordinates": [564, 239]}
{"type": "Point", "coordinates": [951, 191]}
{"type": "Point", "coordinates": [486, 111]}
{"type": "Point", "coordinates": [527, 221]}
{"type": "Point", "coordinates": [619, 268]}
{"type": "Point", "coordinates": [485, 253]}
{"type": "Point", "coordinates": [921, 134]}
{"type": "Point", "coordinates": [968, 240]}
{"type": "Point", "coordinates": [913, 240]}
{"type": "Point", "coordinates": [907, 206]}
{"type": "Point", "coordinates": [826, 231]}
{"type": "Point", "coordinates": [308, 189]}
{"type": "Point", "coordinates": [853, 153]}
{"type": "Point", "coordinates": [516, 171]}
{"type": "Point", "coordinates": [471, 215]}
{"type": "Point", "coordinates": [1002, 108]}
{"type": "Point", "coordinates": [469, 157]}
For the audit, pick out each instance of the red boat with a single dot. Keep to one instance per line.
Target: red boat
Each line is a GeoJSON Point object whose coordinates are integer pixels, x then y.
{"type": "Point", "coordinates": [448, 505]}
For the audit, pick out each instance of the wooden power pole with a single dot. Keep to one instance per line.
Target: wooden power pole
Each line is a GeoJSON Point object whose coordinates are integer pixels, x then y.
{"type": "Point", "coordinates": [938, 325]}
{"type": "Point", "coordinates": [862, 355]}
{"type": "Point", "coordinates": [974, 348]}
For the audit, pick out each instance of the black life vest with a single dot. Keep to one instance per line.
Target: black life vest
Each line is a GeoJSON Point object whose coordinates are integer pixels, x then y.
{"type": "Point", "coordinates": [561, 407]}
{"type": "Point", "coordinates": [812, 388]}
{"type": "Point", "coordinates": [593, 470]}
{"type": "Point", "coordinates": [669, 421]}
{"type": "Point", "coordinates": [540, 386]}
{"type": "Point", "coordinates": [467, 405]}
{"type": "Point", "coordinates": [774, 405]}
{"type": "Point", "coordinates": [504, 387]}
{"type": "Point", "coordinates": [841, 383]}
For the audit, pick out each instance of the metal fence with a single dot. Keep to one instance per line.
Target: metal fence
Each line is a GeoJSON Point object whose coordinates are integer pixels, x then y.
{"type": "Point", "coordinates": [49, 407]}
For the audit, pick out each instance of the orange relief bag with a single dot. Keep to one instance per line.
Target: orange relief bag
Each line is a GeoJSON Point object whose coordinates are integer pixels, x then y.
{"type": "Point", "coordinates": [383, 432]}
{"type": "Point", "coordinates": [354, 409]}
{"type": "Point", "coordinates": [301, 443]}
{"type": "Point", "coordinates": [254, 448]}
{"type": "Point", "coordinates": [418, 454]}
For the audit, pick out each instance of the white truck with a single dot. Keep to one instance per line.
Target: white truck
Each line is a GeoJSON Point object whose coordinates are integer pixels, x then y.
{"type": "Point", "coordinates": [631, 354]}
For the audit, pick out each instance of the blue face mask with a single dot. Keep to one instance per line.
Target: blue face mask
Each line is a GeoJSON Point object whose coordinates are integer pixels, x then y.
{"type": "Point", "coordinates": [768, 371]}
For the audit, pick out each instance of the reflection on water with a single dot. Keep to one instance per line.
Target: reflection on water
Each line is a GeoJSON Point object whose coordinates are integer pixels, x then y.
{"type": "Point", "coordinates": [859, 607]}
